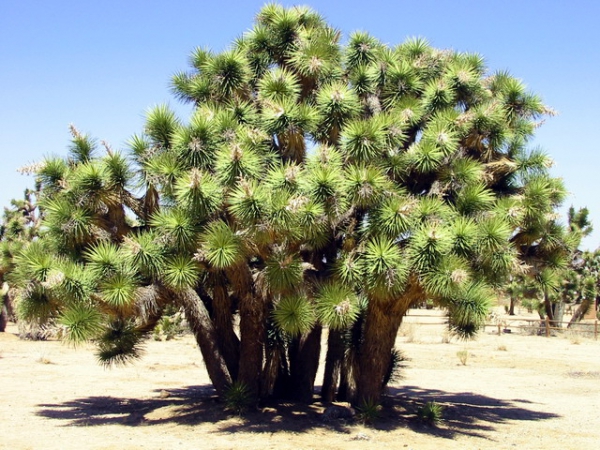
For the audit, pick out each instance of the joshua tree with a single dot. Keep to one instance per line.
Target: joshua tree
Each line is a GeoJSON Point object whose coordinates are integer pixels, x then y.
{"type": "Point", "coordinates": [315, 185]}
{"type": "Point", "coordinates": [19, 226]}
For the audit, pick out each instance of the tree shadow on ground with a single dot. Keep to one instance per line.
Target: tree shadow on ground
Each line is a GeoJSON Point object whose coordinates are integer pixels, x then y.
{"type": "Point", "coordinates": [464, 413]}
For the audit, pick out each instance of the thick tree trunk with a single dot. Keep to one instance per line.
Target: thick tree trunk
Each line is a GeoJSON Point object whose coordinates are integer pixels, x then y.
{"type": "Point", "coordinates": [548, 307]}
{"type": "Point", "coordinates": [253, 315]}
{"type": "Point", "coordinates": [252, 331]}
{"type": "Point", "coordinates": [304, 362]}
{"type": "Point", "coordinates": [381, 327]}
{"type": "Point", "coordinates": [350, 362]}
{"type": "Point", "coordinates": [3, 318]}
{"type": "Point", "coordinates": [5, 305]}
{"type": "Point", "coordinates": [206, 338]}
{"type": "Point", "coordinates": [511, 309]}
{"type": "Point", "coordinates": [581, 310]}
{"type": "Point", "coordinates": [333, 365]}
{"type": "Point", "coordinates": [374, 359]}
{"type": "Point", "coordinates": [223, 321]}
{"type": "Point", "coordinates": [558, 311]}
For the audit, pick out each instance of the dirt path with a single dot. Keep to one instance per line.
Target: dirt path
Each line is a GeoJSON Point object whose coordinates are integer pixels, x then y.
{"type": "Point", "coordinates": [514, 392]}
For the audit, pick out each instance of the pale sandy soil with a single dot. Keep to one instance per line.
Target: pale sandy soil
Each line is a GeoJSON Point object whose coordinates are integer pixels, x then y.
{"type": "Point", "coordinates": [515, 391]}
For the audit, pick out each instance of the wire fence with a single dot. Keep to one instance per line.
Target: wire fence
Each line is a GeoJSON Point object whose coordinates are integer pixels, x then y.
{"type": "Point", "coordinates": [546, 327]}
{"type": "Point", "coordinates": [505, 325]}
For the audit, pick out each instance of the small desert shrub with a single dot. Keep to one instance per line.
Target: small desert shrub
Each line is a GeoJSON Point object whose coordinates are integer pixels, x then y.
{"type": "Point", "coordinates": [430, 413]}
{"type": "Point", "coordinates": [368, 412]}
{"type": "Point", "coordinates": [238, 398]}
{"type": "Point", "coordinates": [463, 356]}
{"type": "Point", "coordinates": [446, 337]}
{"type": "Point", "coordinates": [43, 360]}
{"type": "Point", "coordinates": [169, 327]}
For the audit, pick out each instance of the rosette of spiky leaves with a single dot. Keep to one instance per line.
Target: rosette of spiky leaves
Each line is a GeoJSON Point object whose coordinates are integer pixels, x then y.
{"type": "Point", "coordinates": [177, 228]}
{"type": "Point", "coordinates": [337, 104]}
{"type": "Point", "coordinates": [547, 280]}
{"type": "Point", "coordinates": [362, 49]}
{"type": "Point", "coordinates": [323, 180]}
{"type": "Point", "coordinates": [82, 147]}
{"type": "Point", "coordinates": [160, 171]}
{"type": "Point", "coordinates": [393, 216]}
{"type": "Point", "coordinates": [462, 76]}
{"type": "Point", "coordinates": [278, 30]}
{"type": "Point", "coordinates": [402, 82]}
{"type": "Point", "coordinates": [70, 282]}
{"type": "Point", "coordinates": [118, 173]}
{"type": "Point", "coordinates": [349, 266]}
{"type": "Point", "coordinates": [461, 172]}
{"type": "Point", "coordinates": [181, 272]}
{"type": "Point", "coordinates": [469, 308]}
{"type": "Point", "coordinates": [294, 314]}
{"type": "Point", "coordinates": [440, 134]}
{"type": "Point", "coordinates": [429, 244]}
{"type": "Point", "coordinates": [289, 122]}
{"type": "Point", "coordinates": [229, 74]}
{"type": "Point", "coordinates": [534, 162]}
{"type": "Point", "coordinates": [366, 185]}
{"type": "Point", "coordinates": [199, 194]}
{"type": "Point", "coordinates": [493, 233]}
{"type": "Point", "coordinates": [487, 131]}
{"type": "Point", "coordinates": [34, 263]}
{"type": "Point", "coordinates": [69, 223]}
{"type": "Point", "coordinates": [118, 290]}
{"type": "Point", "coordinates": [438, 95]}
{"type": "Point", "coordinates": [195, 143]}
{"type": "Point", "coordinates": [82, 322]}
{"type": "Point", "coordinates": [336, 305]}
{"type": "Point", "coordinates": [310, 221]}
{"type": "Point", "coordinates": [47, 284]}
{"type": "Point", "coordinates": [119, 343]}
{"type": "Point", "coordinates": [364, 141]}
{"type": "Point", "coordinates": [279, 84]}
{"type": "Point", "coordinates": [385, 268]}
{"type": "Point", "coordinates": [316, 56]}
{"type": "Point", "coordinates": [236, 160]}
{"type": "Point", "coordinates": [160, 125]}
{"type": "Point", "coordinates": [90, 184]}
{"type": "Point", "coordinates": [284, 271]}
{"type": "Point", "coordinates": [464, 236]}
{"type": "Point", "coordinates": [363, 80]}
{"type": "Point", "coordinates": [146, 252]}
{"type": "Point", "coordinates": [104, 258]}
{"type": "Point", "coordinates": [447, 277]}
{"type": "Point", "coordinates": [517, 101]}
{"type": "Point", "coordinates": [282, 217]}
{"type": "Point", "coordinates": [474, 198]}
{"type": "Point", "coordinates": [247, 201]}
{"type": "Point", "coordinates": [432, 209]}
{"type": "Point", "coordinates": [284, 176]}
{"type": "Point", "coordinates": [35, 304]}
{"type": "Point", "coordinates": [221, 246]}
{"type": "Point", "coordinates": [424, 158]}
{"type": "Point", "coordinates": [51, 175]}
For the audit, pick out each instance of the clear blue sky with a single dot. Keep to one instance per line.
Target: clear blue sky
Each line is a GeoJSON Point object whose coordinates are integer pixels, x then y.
{"type": "Point", "coordinates": [101, 64]}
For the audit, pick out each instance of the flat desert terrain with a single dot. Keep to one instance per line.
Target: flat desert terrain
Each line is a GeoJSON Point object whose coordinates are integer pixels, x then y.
{"type": "Point", "coordinates": [515, 391]}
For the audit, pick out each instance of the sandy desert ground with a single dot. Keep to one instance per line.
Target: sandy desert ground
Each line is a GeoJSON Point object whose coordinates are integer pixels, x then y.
{"type": "Point", "coordinates": [515, 391]}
